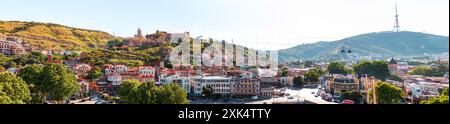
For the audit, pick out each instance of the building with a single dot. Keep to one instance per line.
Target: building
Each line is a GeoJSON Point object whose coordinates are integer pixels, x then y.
{"type": "Point", "coordinates": [84, 87]}
{"type": "Point", "coordinates": [422, 91]}
{"type": "Point", "coordinates": [146, 74]}
{"type": "Point", "coordinates": [115, 79]}
{"type": "Point", "coordinates": [120, 69]}
{"type": "Point", "coordinates": [245, 87]}
{"type": "Point", "coordinates": [8, 47]}
{"type": "Point", "coordinates": [50, 59]}
{"type": "Point", "coordinates": [343, 83]}
{"type": "Point", "coordinates": [184, 70]}
{"type": "Point", "coordinates": [186, 83]}
{"type": "Point", "coordinates": [221, 85]}
{"type": "Point", "coordinates": [286, 81]}
{"type": "Point", "coordinates": [419, 78]}
{"type": "Point", "coordinates": [157, 38]}
{"type": "Point", "coordinates": [367, 85]}
{"type": "Point", "coordinates": [268, 86]}
{"type": "Point", "coordinates": [393, 66]}
{"type": "Point", "coordinates": [82, 69]}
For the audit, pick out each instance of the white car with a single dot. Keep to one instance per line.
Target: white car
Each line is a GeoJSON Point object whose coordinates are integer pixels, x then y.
{"type": "Point", "coordinates": [254, 97]}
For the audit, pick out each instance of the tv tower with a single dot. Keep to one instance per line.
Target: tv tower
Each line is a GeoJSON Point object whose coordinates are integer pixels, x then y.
{"type": "Point", "coordinates": [397, 24]}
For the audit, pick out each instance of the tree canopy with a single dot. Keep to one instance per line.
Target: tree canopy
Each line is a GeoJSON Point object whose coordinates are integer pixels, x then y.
{"type": "Point", "coordinates": [94, 73]}
{"type": "Point", "coordinates": [427, 71]}
{"type": "Point", "coordinates": [313, 75]}
{"type": "Point", "coordinates": [442, 99]}
{"type": "Point", "coordinates": [32, 76]}
{"type": "Point", "coordinates": [298, 81]}
{"type": "Point", "coordinates": [13, 90]}
{"type": "Point", "coordinates": [136, 92]}
{"type": "Point", "coordinates": [208, 91]}
{"type": "Point", "coordinates": [387, 93]}
{"type": "Point", "coordinates": [337, 68]}
{"type": "Point", "coordinates": [58, 82]}
{"type": "Point", "coordinates": [379, 69]}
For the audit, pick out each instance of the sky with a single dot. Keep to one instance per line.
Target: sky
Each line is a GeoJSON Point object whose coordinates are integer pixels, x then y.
{"type": "Point", "coordinates": [258, 24]}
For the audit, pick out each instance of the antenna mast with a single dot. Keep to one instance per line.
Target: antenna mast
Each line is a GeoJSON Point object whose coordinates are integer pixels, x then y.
{"type": "Point", "coordinates": [397, 24]}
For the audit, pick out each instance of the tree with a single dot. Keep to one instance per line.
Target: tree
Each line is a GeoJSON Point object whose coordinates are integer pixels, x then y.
{"type": "Point", "coordinates": [442, 99]}
{"type": "Point", "coordinates": [136, 92]}
{"type": "Point", "coordinates": [179, 95]}
{"type": "Point", "coordinates": [4, 59]}
{"type": "Point", "coordinates": [445, 92]}
{"type": "Point", "coordinates": [379, 69]}
{"type": "Point", "coordinates": [32, 58]}
{"type": "Point", "coordinates": [436, 100]}
{"type": "Point", "coordinates": [128, 90]}
{"type": "Point", "coordinates": [387, 93]}
{"type": "Point", "coordinates": [146, 93]}
{"type": "Point", "coordinates": [208, 91]}
{"type": "Point", "coordinates": [298, 81]}
{"type": "Point", "coordinates": [10, 64]}
{"type": "Point", "coordinates": [70, 56]}
{"type": "Point", "coordinates": [59, 82]}
{"type": "Point", "coordinates": [171, 94]}
{"type": "Point", "coordinates": [13, 90]}
{"type": "Point", "coordinates": [284, 72]}
{"type": "Point", "coordinates": [114, 43]}
{"type": "Point", "coordinates": [431, 72]}
{"type": "Point", "coordinates": [421, 70]}
{"type": "Point", "coordinates": [32, 76]}
{"type": "Point", "coordinates": [336, 68]}
{"type": "Point", "coordinates": [312, 76]}
{"type": "Point", "coordinates": [354, 96]}
{"type": "Point", "coordinates": [95, 73]}
{"type": "Point", "coordinates": [395, 78]}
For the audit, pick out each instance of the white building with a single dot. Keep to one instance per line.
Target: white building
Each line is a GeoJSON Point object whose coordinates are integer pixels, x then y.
{"type": "Point", "coordinates": [146, 70]}
{"type": "Point", "coordinates": [115, 79]}
{"type": "Point", "coordinates": [121, 69]}
{"type": "Point", "coordinates": [423, 90]}
{"type": "Point", "coordinates": [287, 81]}
{"type": "Point", "coordinates": [185, 82]}
{"type": "Point", "coordinates": [220, 85]}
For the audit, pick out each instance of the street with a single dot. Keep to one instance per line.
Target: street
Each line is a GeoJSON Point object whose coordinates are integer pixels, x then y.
{"type": "Point", "coordinates": [307, 94]}
{"type": "Point", "coordinates": [298, 95]}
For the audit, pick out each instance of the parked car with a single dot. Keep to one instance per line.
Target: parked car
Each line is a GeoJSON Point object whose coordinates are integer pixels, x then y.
{"type": "Point", "coordinates": [73, 98]}
{"type": "Point", "coordinates": [84, 100]}
{"type": "Point", "coordinates": [291, 97]}
{"type": "Point", "coordinates": [403, 102]}
{"type": "Point", "coordinates": [313, 92]}
{"type": "Point", "coordinates": [225, 100]}
{"type": "Point", "coordinates": [254, 97]}
{"type": "Point", "coordinates": [348, 102]}
{"type": "Point", "coordinates": [327, 97]}
{"type": "Point", "coordinates": [337, 99]}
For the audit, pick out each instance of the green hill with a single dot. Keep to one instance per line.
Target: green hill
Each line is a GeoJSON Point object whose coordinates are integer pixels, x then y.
{"type": "Point", "coordinates": [381, 44]}
{"type": "Point", "coordinates": [49, 36]}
